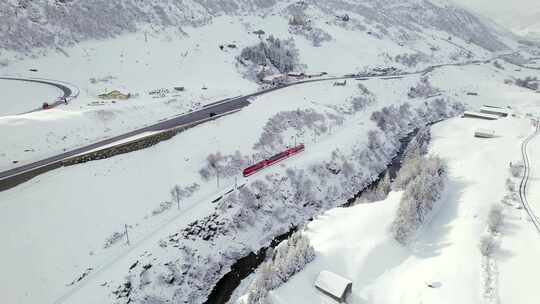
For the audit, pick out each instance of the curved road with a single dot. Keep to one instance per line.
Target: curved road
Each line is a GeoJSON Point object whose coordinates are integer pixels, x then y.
{"type": "Point", "coordinates": [525, 180]}
{"type": "Point", "coordinates": [16, 176]}
{"type": "Point", "coordinates": [69, 92]}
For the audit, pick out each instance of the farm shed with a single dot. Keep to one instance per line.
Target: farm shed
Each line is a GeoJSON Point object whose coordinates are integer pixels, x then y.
{"type": "Point", "coordinates": [484, 133]}
{"type": "Point", "coordinates": [495, 111]}
{"type": "Point", "coordinates": [275, 79]}
{"type": "Point", "coordinates": [470, 114]}
{"type": "Point", "coordinates": [333, 285]}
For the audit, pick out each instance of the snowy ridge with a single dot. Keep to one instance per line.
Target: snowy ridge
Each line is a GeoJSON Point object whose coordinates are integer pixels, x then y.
{"type": "Point", "coordinates": [44, 23]}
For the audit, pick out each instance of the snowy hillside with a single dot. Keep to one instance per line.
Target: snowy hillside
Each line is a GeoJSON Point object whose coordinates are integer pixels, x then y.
{"type": "Point", "coordinates": [43, 23]}
{"type": "Point", "coordinates": [351, 80]}
{"type": "Point", "coordinates": [531, 31]}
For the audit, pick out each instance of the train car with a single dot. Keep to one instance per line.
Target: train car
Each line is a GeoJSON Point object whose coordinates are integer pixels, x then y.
{"type": "Point", "coordinates": [272, 160]}
{"type": "Point", "coordinates": [254, 169]}
{"type": "Point", "coordinates": [297, 149]}
{"type": "Point", "coordinates": [276, 158]}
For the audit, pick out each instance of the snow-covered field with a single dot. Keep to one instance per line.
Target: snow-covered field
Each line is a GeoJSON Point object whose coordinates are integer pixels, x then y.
{"type": "Point", "coordinates": [19, 97]}
{"type": "Point", "coordinates": [63, 230]}
{"type": "Point", "coordinates": [79, 220]}
{"type": "Point", "coordinates": [190, 57]}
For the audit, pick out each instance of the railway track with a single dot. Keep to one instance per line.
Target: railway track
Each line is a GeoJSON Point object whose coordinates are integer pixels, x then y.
{"type": "Point", "coordinates": [525, 180]}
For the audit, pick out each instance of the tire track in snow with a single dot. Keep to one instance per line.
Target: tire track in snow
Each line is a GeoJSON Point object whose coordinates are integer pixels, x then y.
{"type": "Point", "coordinates": [526, 176]}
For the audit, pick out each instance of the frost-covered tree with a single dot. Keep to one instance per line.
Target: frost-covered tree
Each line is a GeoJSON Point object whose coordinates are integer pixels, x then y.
{"type": "Point", "coordinates": [495, 218]}
{"type": "Point", "coordinates": [411, 60]}
{"type": "Point", "coordinates": [179, 193]}
{"type": "Point", "coordinates": [273, 54]}
{"type": "Point", "coordinates": [379, 192]}
{"type": "Point", "coordinates": [422, 89]}
{"type": "Point", "coordinates": [224, 165]}
{"type": "Point", "coordinates": [176, 194]}
{"type": "Point", "coordinates": [528, 82]}
{"type": "Point", "coordinates": [423, 183]}
{"type": "Point", "coordinates": [287, 259]}
{"type": "Point", "coordinates": [488, 245]}
{"type": "Point", "coordinates": [516, 169]}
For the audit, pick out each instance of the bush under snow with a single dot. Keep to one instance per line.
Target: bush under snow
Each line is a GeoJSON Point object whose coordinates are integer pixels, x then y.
{"type": "Point", "coordinates": [270, 57]}
{"type": "Point", "coordinates": [287, 259]}
{"type": "Point", "coordinates": [422, 89]}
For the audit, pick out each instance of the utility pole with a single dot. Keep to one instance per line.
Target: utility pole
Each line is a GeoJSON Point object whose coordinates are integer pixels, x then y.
{"type": "Point", "coordinates": [127, 236]}
{"type": "Point", "coordinates": [217, 177]}
{"type": "Point", "coordinates": [235, 183]}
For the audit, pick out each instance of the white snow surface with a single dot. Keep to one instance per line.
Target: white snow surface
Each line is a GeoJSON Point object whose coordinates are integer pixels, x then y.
{"type": "Point", "coordinates": [55, 225]}
{"type": "Point", "coordinates": [19, 97]}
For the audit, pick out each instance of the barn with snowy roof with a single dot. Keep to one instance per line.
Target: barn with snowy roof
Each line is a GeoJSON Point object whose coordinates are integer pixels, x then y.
{"type": "Point", "coordinates": [333, 285]}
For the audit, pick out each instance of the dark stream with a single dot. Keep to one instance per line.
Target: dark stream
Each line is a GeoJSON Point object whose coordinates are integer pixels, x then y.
{"type": "Point", "coordinates": [245, 266]}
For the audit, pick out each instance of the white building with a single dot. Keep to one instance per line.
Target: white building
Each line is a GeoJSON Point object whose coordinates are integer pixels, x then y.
{"type": "Point", "coordinates": [484, 133]}
{"type": "Point", "coordinates": [333, 285]}
{"type": "Point", "coordinates": [470, 114]}
{"type": "Point", "coordinates": [275, 79]}
{"type": "Point", "coordinates": [502, 112]}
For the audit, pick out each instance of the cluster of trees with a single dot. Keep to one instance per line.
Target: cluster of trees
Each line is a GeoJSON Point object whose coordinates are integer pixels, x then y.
{"type": "Point", "coordinates": [299, 122]}
{"type": "Point", "coordinates": [272, 55]}
{"type": "Point", "coordinates": [422, 181]}
{"type": "Point", "coordinates": [398, 119]}
{"type": "Point", "coordinates": [223, 165]}
{"type": "Point", "coordinates": [179, 193]}
{"type": "Point", "coordinates": [422, 89]}
{"type": "Point", "coordinates": [361, 101]}
{"type": "Point", "coordinates": [528, 82]}
{"type": "Point", "coordinates": [271, 204]}
{"type": "Point", "coordinates": [113, 239]}
{"type": "Point", "coordinates": [420, 142]}
{"type": "Point", "coordinates": [516, 169]}
{"type": "Point", "coordinates": [411, 60]}
{"type": "Point", "coordinates": [488, 242]}
{"type": "Point", "coordinates": [378, 192]}
{"type": "Point", "coordinates": [286, 260]}
{"type": "Point", "coordinates": [298, 25]}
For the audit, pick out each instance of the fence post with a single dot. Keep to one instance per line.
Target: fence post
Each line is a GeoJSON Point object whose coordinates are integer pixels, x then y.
{"type": "Point", "coordinates": [127, 236]}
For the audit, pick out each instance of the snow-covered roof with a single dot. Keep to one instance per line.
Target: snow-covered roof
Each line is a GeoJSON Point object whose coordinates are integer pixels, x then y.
{"type": "Point", "coordinates": [480, 115]}
{"type": "Point", "coordinates": [273, 77]}
{"type": "Point", "coordinates": [489, 110]}
{"type": "Point", "coordinates": [332, 283]}
{"type": "Point", "coordinates": [484, 133]}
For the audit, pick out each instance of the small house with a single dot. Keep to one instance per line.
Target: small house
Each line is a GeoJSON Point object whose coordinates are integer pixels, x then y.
{"type": "Point", "coordinates": [470, 114]}
{"type": "Point", "coordinates": [333, 285]}
{"type": "Point", "coordinates": [275, 79]}
{"type": "Point", "coordinates": [115, 95]}
{"type": "Point", "coordinates": [296, 74]}
{"type": "Point", "coordinates": [484, 133]}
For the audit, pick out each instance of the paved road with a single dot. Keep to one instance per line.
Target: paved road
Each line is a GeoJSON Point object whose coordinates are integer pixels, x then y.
{"type": "Point", "coordinates": [525, 180]}
{"type": "Point", "coordinates": [68, 92]}
{"type": "Point", "coordinates": [15, 176]}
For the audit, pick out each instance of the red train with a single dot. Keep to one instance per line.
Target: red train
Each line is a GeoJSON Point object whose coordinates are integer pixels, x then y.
{"type": "Point", "coordinates": [272, 160]}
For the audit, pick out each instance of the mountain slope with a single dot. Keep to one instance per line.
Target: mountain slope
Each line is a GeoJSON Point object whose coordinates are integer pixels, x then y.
{"type": "Point", "coordinates": [42, 23]}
